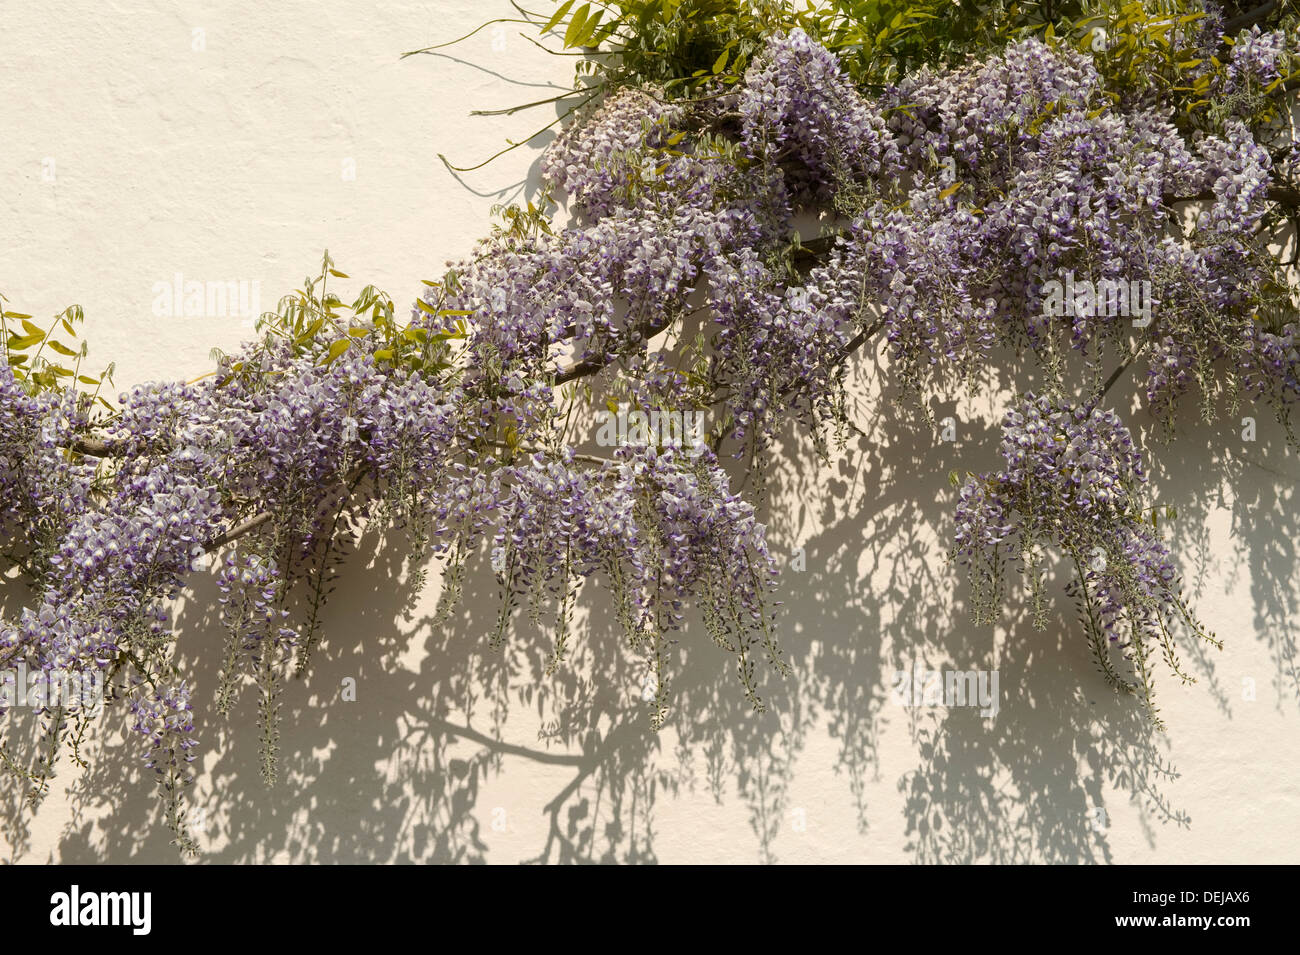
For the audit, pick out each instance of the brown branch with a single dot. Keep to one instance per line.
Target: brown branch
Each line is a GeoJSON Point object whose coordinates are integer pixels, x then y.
{"type": "Point", "coordinates": [1282, 195]}
{"type": "Point", "coordinates": [1249, 18]}
{"type": "Point", "coordinates": [858, 340]}
{"type": "Point", "coordinates": [592, 366]}
{"type": "Point", "coordinates": [1115, 375]}
{"type": "Point", "coordinates": [349, 484]}
{"type": "Point", "coordinates": [94, 447]}
{"type": "Point", "coordinates": [239, 530]}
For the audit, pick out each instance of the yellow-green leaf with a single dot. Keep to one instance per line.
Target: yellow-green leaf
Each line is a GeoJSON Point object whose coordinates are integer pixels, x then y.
{"type": "Point", "coordinates": [950, 190]}
{"type": "Point", "coordinates": [62, 349]}
{"type": "Point", "coordinates": [576, 25]}
{"type": "Point", "coordinates": [336, 349]}
{"type": "Point", "coordinates": [558, 16]}
{"type": "Point", "coordinates": [19, 342]}
{"type": "Point", "coordinates": [589, 29]}
{"type": "Point", "coordinates": [310, 331]}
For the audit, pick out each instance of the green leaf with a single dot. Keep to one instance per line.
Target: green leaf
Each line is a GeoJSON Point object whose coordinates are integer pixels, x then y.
{"type": "Point", "coordinates": [576, 24]}
{"type": "Point", "coordinates": [19, 342]}
{"type": "Point", "coordinates": [62, 349]}
{"type": "Point", "coordinates": [720, 63]}
{"type": "Point", "coordinates": [339, 275]}
{"type": "Point", "coordinates": [87, 380]}
{"type": "Point", "coordinates": [336, 349]}
{"type": "Point", "coordinates": [384, 354]}
{"type": "Point", "coordinates": [558, 16]}
{"type": "Point", "coordinates": [33, 329]}
{"type": "Point", "coordinates": [589, 29]}
{"type": "Point", "coordinates": [309, 332]}
{"type": "Point", "coordinates": [950, 190]}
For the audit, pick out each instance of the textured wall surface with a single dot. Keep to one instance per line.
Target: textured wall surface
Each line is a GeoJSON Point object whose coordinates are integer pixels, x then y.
{"type": "Point", "coordinates": [232, 142]}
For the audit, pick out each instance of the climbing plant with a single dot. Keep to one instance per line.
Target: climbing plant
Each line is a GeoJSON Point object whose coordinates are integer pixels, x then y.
{"type": "Point", "coordinates": [1099, 188]}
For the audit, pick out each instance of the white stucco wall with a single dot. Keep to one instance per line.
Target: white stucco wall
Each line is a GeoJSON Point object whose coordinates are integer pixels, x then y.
{"type": "Point", "coordinates": [133, 148]}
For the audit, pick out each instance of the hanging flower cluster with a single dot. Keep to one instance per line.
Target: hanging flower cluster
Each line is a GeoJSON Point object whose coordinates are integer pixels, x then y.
{"type": "Point", "coordinates": [1072, 481]}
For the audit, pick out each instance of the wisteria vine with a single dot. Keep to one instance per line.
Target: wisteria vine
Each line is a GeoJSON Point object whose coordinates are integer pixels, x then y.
{"type": "Point", "coordinates": [951, 199]}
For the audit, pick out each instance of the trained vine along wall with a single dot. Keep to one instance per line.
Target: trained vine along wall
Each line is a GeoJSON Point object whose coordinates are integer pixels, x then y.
{"type": "Point", "coordinates": [232, 143]}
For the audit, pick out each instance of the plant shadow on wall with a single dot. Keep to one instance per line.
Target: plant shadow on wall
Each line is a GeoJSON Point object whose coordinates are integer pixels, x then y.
{"type": "Point", "coordinates": [407, 772]}
{"type": "Point", "coordinates": [1023, 786]}
{"type": "Point", "coordinates": [1208, 467]}
{"type": "Point", "coordinates": [1032, 785]}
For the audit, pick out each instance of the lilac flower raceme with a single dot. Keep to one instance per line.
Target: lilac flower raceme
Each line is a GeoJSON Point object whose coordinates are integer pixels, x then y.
{"type": "Point", "coordinates": [1072, 481]}
{"type": "Point", "coordinates": [1258, 59]}
{"type": "Point", "coordinates": [164, 718]}
{"type": "Point", "coordinates": [600, 162]}
{"type": "Point", "coordinates": [796, 102]}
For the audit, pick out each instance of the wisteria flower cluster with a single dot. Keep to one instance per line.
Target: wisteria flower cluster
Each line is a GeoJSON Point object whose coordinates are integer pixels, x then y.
{"type": "Point", "coordinates": [1072, 481]}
